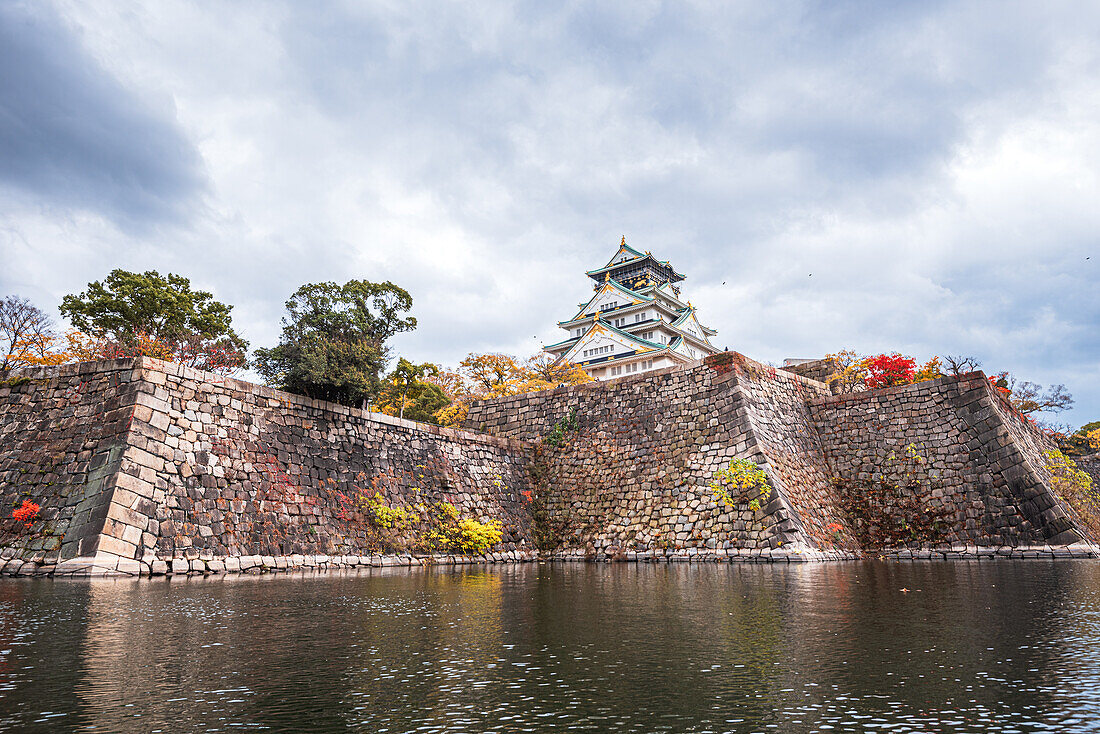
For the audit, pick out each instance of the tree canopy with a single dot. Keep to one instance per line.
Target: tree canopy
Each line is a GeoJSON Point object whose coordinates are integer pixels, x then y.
{"type": "Point", "coordinates": [406, 393]}
{"type": "Point", "coordinates": [147, 314]}
{"type": "Point", "coordinates": [333, 344]}
{"type": "Point", "coordinates": [490, 375]}
{"type": "Point", "coordinates": [164, 307]}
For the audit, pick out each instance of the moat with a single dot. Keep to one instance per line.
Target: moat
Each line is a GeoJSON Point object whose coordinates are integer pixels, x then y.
{"type": "Point", "coordinates": [1005, 646]}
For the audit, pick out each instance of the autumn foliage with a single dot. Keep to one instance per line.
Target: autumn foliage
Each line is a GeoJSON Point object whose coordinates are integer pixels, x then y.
{"type": "Point", "coordinates": [853, 372]}
{"type": "Point", "coordinates": [26, 513]}
{"type": "Point", "coordinates": [212, 355]}
{"type": "Point", "coordinates": [27, 336]}
{"type": "Point", "coordinates": [482, 376]}
{"type": "Point", "coordinates": [887, 370]}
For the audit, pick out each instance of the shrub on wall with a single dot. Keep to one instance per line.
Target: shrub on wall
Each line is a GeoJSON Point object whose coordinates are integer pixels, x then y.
{"type": "Point", "coordinates": [428, 527]}
{"type": "Point", "coordinates": [562, 428]}
{"type": "Point", "coordinates": [742, 477]}
{"type": "Point", "coordinates": [446, 531]}
{"type": "Point", "coordinates": [1075, 487]}
{"type": "Point", "coordinates": [885, 370]}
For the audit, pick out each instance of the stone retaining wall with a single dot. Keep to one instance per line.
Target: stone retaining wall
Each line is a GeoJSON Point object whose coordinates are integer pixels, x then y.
{"type": "Point", "coordinates": [636, 477]}
{"type": "Point", "coordinates": [205, 468]}
{"type": "Point", "coordinates": [62, 434]}
{"type": "Point", "coordinates": [146, 467]}
{"type": "Point", "coordinates": [983, 459]}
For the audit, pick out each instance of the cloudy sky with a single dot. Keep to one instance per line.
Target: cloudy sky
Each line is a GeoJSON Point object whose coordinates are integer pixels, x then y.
{"type": "Point", "coordinates": [920, 177]}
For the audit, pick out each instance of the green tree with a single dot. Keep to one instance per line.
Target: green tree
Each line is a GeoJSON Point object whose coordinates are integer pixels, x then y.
{"type": "Point", "coordinates": [128, 314]}
{"type": "Point", "coordinates": [125, 303]}
{"type": "Point", "coordinates": [407, 394]}
{"type": "Point", "coordinates": [333, 345]}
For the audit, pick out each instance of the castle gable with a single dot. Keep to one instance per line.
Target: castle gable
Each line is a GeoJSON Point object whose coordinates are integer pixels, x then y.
{"type": "Point", "coordinates": [609, 297]}
{"type": "Point", "coordinates": [602, 342]}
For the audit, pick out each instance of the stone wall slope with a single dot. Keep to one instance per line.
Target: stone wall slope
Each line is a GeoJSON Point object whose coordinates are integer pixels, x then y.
{"type": "Point", "coordinates": [140, 464]}
{"type": "Point", "coordinates": [203, 467]}
{"type": "Point", "coordinates": [987, 460]}
{"type": "Point", "coordinates": [62, 434]}
{"type": "Point", "coordinates": [637, 474]}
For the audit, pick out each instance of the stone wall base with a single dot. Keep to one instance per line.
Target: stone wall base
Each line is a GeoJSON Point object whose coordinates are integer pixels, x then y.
{"type": "Point", "coordinates": [809, 555]}
{"type": "Point", "coordinates": [106, 565]}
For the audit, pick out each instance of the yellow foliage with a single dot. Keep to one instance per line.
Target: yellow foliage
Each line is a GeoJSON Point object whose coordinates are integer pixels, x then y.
{"type": "Point", "coordinates": [452, 415]}
{"type": "Point", "coordinates": [849, 371]}
{"type": "Point", "coordinates": [741, 475]}
{"type": "Point", "coordinates": [37, 350]}
{"type": "Point", "coordinates": [481, 376]}
{"type": "Point", "coordinates": [930, 370]}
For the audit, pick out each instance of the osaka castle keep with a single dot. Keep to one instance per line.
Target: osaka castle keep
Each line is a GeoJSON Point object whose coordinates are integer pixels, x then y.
{"type": "Point", "coordinates": [635, 321]}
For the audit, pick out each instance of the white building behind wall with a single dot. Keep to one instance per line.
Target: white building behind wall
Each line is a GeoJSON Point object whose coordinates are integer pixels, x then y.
{"type": "Point", "coordinates": [635, 321]}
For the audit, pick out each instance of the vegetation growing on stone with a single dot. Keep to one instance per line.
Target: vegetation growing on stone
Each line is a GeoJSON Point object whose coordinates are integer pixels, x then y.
{"type": "Point", "coordinates": [446, 531]}
{"type": "Point", "coordinates": [1075, 487]}
{"type": "Point", "coordinates": [562, 428]}
{"type": "Point", "coordinates": [741, 478]}
{"type": "Point", "coordinates": [418, 526]}
{"type": "Point", "coordinates": [891, 506]}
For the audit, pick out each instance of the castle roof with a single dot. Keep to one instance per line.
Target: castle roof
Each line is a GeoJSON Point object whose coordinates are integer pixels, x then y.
{"type": "Point", "coordinates": [689, 313]}
{"type": "Point", "coordinates": [627, 258]}
{"type": "Point", "coordinates": [576, 344]}
{"type": "Point", "coordinates": [610, 284]}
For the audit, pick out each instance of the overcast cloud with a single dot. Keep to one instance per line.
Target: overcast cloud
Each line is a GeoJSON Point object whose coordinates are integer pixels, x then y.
{"type": "Point", "coordinates": [920, 177]}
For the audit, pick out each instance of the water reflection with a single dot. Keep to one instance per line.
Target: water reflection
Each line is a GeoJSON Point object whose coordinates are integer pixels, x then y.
{"type": "Point", "coordinates": [1006, 646]}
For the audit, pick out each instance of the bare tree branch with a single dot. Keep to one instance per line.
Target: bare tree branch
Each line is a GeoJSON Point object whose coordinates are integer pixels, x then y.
{"type": "Point", "coordinates": [960, 365]}
{"type": "Point", "coordinates": [25, 332]}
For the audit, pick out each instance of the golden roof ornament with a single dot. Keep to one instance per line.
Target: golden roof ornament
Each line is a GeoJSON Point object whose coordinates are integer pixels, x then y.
{"type": "Point", "coordinates": [623, 242]}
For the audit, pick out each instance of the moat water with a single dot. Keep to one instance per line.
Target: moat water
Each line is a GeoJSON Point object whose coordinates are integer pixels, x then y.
{"type": "Point", "coordinates": [990, 647]}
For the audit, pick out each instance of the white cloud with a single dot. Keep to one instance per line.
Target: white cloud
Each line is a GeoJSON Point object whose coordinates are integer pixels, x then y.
{"type": "Point", "coordinates": [933, 166]}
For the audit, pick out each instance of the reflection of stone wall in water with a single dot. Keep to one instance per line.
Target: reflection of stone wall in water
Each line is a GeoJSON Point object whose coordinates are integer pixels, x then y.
{"type": "Point", "coordinates": [145, 466]}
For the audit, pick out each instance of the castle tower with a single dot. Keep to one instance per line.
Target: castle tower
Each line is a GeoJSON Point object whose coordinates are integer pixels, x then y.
{"type": "Point", "coordinates": [635, 322]}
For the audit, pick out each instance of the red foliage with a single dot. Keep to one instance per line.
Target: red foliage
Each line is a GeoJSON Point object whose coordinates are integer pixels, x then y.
{"type": "Point", "coordinates": [722, 362]}
{"type": "Point", "coordinates": [220, 356]}
{"type": "Point", "coordinates": [1000, 384]}
{"type": "Point", "coordinates": [26, 513]}
{"type": "Point", "coordinates": [885, 370]}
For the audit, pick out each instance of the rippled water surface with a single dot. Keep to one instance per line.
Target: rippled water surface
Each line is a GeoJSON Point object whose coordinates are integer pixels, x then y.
{"type": "Point", "coordinates": [1001, 647]}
